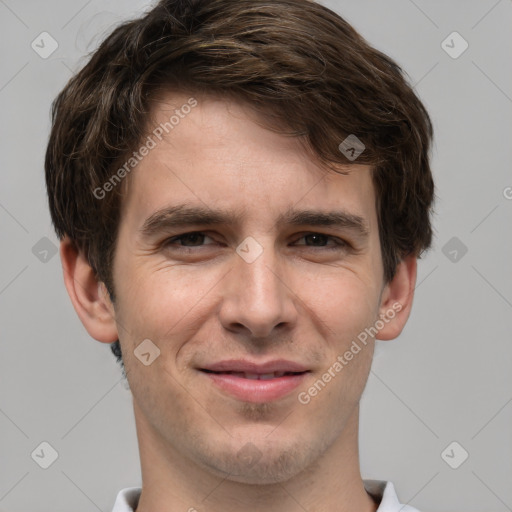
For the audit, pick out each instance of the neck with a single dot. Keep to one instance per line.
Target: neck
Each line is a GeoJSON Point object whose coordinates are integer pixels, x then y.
{"type": "Point", "coordinates": [173, 482]}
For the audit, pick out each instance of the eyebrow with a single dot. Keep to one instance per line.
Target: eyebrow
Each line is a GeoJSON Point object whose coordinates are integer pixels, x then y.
{"type": "Point", "coordinates": [182, 216]}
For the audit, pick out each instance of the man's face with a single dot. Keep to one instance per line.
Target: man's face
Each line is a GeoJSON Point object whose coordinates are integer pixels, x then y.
{"type": "Point", "coordinates": [292, 294]}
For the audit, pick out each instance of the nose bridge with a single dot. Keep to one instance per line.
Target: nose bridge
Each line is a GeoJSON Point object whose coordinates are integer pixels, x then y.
{"type": "Point", "coordinates": [259, 276]}
{"type": "Point", "coordinates": [256, 296]}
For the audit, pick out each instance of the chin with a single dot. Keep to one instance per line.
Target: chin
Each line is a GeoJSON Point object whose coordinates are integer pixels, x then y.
{"type": "Point", "coordinates": [260, 465]}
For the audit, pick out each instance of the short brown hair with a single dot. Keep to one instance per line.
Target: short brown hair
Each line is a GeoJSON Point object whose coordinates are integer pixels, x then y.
{"type": "Point", "coordinates": [296, 61]}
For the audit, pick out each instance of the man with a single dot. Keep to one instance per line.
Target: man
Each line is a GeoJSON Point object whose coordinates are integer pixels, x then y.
{"type": "Point", "coordinates": [242, 189]}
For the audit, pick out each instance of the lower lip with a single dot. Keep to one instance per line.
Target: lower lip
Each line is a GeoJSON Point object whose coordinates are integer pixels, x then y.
{"type": "Point", "coordinates": [252, 390]}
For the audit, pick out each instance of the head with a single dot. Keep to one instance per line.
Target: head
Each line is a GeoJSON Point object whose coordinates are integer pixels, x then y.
{"type": "Point", "coordinates": [242, 107]}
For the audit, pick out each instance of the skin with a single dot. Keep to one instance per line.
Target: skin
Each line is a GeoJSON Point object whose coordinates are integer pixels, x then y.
{"type": "Point", "coordinates": [303, 299]}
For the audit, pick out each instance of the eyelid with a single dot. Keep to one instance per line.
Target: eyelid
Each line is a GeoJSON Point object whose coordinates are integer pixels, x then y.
{"type": "Point", "coordinates": [173, 238]}
{"type": "Point", "coordinates": [332, 237]}
{"type": "Point", "coordinates": [338, 242]}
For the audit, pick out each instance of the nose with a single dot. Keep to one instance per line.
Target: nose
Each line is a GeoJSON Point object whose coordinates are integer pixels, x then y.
{"type": "Point", "coordinates": [258, 296]}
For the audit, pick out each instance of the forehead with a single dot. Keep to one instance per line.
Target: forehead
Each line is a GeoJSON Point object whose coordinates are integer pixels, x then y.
{"type": "Point", "coordinates": [211, 151]}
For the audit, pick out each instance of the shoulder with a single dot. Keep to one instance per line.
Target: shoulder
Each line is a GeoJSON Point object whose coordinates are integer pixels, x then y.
{"type": "Point", "coordinates": [127, 499]}
{"type": "Point", "coordinates": [384, 493]}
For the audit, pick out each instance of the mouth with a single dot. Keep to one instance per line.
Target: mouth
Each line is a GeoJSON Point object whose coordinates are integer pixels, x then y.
{"type": "Point", "coordinates": [252, 382]}
{"type": "Point", "coordinates": [256, 376]}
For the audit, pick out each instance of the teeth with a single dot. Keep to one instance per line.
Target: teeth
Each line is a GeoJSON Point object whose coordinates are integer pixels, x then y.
{"type": "Point", "coordinates": [258, 376]}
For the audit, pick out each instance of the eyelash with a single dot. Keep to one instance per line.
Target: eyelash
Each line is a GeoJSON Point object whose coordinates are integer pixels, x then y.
{"type": "Point", "coordinates": [339, 243]}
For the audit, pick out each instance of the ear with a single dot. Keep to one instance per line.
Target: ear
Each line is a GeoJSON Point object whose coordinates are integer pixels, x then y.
{"type": "Point", "coordinates": [396, 299]}
{"type": "Point", "coordinates": [88, 295]}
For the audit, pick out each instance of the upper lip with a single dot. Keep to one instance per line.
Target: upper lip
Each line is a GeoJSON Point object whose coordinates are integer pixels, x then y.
{"type": "Point", "coordinates": [243, 365]}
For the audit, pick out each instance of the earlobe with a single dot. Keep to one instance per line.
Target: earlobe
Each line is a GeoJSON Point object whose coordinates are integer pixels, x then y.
{"type": "Point", "coordinates": [397, 298]}
{"type": "Point", "coordinates": [89, 296]}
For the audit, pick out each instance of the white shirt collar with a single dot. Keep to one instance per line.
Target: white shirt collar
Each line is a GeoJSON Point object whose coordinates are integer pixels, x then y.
{"type": "Point", "coordinates": [384, 492]}
{"type": "Point", "coordinates": [128, 499]}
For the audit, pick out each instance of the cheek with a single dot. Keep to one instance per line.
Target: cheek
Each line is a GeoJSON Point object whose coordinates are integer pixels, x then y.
{"type": "Point", "coordinates": [345, 302]}
{"type": "Point", "coordinates": [163, 303]}
{"type": "Point", "coordinates": [346, 307]}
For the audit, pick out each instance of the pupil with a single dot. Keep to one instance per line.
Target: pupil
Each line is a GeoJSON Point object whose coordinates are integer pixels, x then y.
{"type": "Point", "coordinates": [193, 237]}
{"type": "Point", "coordinates": [317, 238]}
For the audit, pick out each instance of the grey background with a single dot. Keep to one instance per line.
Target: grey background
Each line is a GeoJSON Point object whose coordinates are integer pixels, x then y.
{"type": "Point", "coordinates": [447, 378]}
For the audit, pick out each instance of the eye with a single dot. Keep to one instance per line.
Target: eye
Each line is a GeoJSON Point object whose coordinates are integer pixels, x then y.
{"type": "Point", "coordinates": [193, 239]}
{"type": "Point", "coordinates": [311, 240]}
{"type": "Point", "coordinates": [321, 240]}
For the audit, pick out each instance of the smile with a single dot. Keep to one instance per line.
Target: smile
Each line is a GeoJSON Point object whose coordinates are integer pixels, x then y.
{"type": "Point", "coordinates": [257, 383]}
{"type": "Point", "coordinates": [256, 376]}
